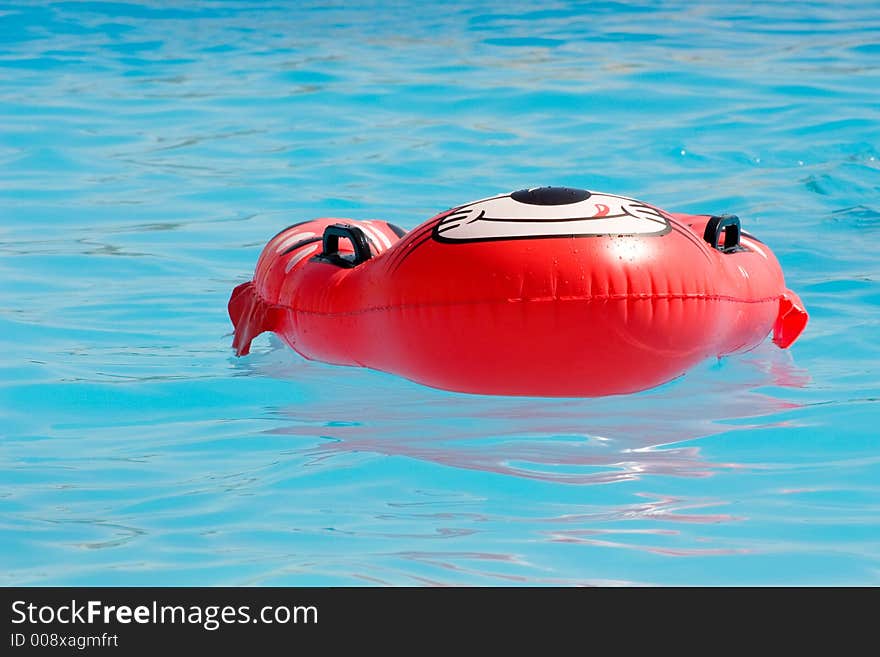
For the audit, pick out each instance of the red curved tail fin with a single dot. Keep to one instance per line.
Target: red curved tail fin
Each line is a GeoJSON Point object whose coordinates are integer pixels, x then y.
{"type": "Point", "coordinates": [251, 316]}
{"type": "Point", "coordinates": [791, 320]}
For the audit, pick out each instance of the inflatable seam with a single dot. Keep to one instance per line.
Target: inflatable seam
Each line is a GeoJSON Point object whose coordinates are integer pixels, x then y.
{"type": "Point", "coordinates": [596, 297]}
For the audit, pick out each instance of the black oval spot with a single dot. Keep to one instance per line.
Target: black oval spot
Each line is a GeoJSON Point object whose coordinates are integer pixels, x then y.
{"type": "Point", "coordinates": [550, 195]}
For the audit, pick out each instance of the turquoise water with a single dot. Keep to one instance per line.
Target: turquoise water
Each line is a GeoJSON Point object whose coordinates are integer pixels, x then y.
{"type": "Point", "coordinates": [148, 151]}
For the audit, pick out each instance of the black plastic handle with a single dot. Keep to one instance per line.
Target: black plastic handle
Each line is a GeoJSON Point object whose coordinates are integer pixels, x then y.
{"type": "Point", "coordinates": [354, 235]}
{"type": "Point", "coordinates": [727, 224]}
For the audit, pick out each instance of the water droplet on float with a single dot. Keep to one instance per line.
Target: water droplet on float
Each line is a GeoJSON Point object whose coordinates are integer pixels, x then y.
{"type": "Point", "coordinates": [800, 163]}
{"type": "Point", "coordinates": [683, 152]}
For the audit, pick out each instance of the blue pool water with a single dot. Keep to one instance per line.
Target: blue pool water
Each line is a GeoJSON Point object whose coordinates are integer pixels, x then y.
{"type": "Point", "coordinates": [149, 150]}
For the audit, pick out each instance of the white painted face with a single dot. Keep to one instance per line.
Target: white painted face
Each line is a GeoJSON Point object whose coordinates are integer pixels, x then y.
{"type": "Point", "coordinates": [572, 213]}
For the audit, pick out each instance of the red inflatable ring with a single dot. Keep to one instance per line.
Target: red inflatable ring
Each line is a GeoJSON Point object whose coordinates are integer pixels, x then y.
{"type": "Point", "coordinates": [547, 292]}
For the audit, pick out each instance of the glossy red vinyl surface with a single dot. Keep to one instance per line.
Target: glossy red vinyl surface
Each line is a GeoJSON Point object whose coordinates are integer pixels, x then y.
{"type": "Point", "coordinates": [516, 305]}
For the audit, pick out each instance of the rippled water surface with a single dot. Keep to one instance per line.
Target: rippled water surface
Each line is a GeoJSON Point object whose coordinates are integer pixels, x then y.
{"type": "Point", "coordinates": [148, 151]}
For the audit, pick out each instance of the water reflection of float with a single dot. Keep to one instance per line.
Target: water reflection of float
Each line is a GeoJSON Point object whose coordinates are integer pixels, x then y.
{"type": "Point", "coordinates": [583, 441]}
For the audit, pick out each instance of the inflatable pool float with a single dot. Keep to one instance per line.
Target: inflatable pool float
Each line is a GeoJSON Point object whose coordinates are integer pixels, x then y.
{"type": "Point", "coordinates": [549, 291]}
